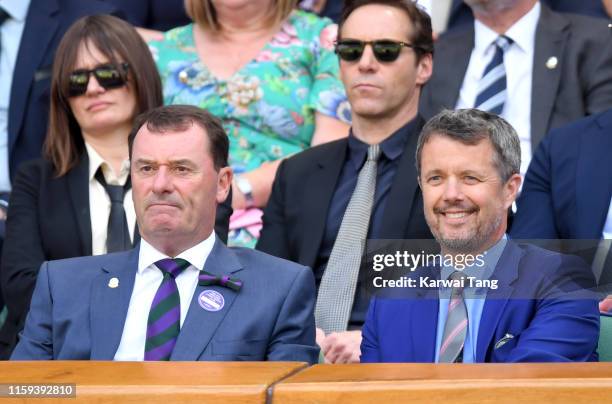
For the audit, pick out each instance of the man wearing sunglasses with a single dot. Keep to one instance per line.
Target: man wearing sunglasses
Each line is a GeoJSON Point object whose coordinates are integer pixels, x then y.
{"type": "Point", "coordinates": [327, 200]}
{"type": "Point", "coordinates": [537, 68]}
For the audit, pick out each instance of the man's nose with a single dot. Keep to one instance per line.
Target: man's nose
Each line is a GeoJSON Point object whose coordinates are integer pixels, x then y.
{"type": "Point", "coordinates": [453, 190]}
{"type": "Point", "coordinates": [163, 180]}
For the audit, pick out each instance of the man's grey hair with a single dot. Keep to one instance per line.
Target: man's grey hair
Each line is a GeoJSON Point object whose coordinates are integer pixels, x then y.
{"type": "Point", "coordinates": [470, 127]}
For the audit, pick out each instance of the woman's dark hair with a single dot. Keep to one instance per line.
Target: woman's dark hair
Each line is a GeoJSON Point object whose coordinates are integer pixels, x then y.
{"type": "Point", "coordinates": [120, 43]}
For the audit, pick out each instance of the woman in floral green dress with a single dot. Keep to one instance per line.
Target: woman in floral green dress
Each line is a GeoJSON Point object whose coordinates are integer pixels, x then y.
{"type": "Point", "coordinates": [270, 73]}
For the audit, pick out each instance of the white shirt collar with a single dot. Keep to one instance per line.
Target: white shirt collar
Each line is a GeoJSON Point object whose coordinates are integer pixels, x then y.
{"type": "Point", "coordinates": [522, 32]}
{"type": "Point", "coordinates": [196, 255]}
{"type": "Point", "coordinates": [17, 9]}
{"type": "Point", "coordinates": [95, 161]}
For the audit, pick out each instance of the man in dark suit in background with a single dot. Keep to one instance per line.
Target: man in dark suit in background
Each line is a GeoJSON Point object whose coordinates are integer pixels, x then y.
{"type": "Point", "coordinates": [460, 15]}
{"type": "Point", "coordinates": [556, 67]}
{"type": "Point", "coordinates": [568, 189]}
{"type": "Point", "coordinates": [181, 294]}
{"type": "Point", "coordinates": [385, 51]}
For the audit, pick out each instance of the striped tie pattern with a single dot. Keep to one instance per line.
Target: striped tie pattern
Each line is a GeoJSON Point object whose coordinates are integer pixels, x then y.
{"type": "Point", "coordinates": [455, 328]}
{"type": "Point", "coordinates": [491, 93]}
{"type": "Point", "coordinates": [164, 324]}
{"type": "Point", "coordinates": [337, 288]}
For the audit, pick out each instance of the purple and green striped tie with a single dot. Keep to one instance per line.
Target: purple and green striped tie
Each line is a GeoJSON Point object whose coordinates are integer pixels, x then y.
{"type": "Point", "coordinates": [164, 321]}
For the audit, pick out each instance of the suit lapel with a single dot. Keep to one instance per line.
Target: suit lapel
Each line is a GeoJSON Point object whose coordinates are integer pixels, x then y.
{"type": "Point", "coordinates": [201, 325]}
{"type": "Point", "coordinates": [404, 186]}
{"type": "Point", "coordinates": [78, 189]}
{"type": "Point", "coordinates": [109, 306]}
{"type": "Point", "coordinates": [593, 174]}
{"type": "Point", "coordinates": [424, 318]}
{"type": "Point", "coordinates": [451, 63]}
{"type": "Point", "coordinates": [316, 203]}
{"type": "Point", "coordinates": [41, 24]}
{"type": "Point", "coordinates": [550, 41]}
{"type": "Point", "coordinates": [506, 272]}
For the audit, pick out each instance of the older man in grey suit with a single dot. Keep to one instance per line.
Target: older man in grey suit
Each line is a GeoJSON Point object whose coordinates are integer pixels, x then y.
{"type": "Point", "coordinates": [556, 67]}
{"type": "Point", "coordinates": [181, 294]}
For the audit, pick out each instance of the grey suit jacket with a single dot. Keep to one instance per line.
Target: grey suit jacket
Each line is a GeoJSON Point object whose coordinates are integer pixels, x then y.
{"type": "Point", "coordinates": [74, 313]}
{"type": "Point", "coordinates": [579, 85]}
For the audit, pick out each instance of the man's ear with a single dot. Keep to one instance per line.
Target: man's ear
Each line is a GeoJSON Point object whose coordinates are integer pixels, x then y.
{"type": "Point", "coordinates": [424, 69]}
{"type": "Point", "coordinates": [224, 182]}
{"type": "Point", "coordinates": [511, 189]}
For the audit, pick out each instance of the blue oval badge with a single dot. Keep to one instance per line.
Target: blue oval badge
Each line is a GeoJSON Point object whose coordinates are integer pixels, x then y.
{"type": "Point", "coordinates": [211, 300]}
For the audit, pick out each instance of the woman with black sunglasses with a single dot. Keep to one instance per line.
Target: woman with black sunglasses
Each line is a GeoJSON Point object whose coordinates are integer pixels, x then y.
{"type": "Point", "coordinates": [77, 201]}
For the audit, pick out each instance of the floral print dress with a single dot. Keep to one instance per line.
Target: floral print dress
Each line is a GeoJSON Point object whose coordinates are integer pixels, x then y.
{"type": "Point", "coordinates": [268, 106]}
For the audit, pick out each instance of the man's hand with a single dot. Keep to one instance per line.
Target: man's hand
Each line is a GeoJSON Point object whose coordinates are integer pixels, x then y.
{"type": "Point", "coordinates": [605, 306]}
{"type": "Point", "coordinates": [341, 347]}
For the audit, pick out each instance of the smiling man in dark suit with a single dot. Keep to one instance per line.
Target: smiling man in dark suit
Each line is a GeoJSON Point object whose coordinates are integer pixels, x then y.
{"type": "Point", "coordinates": [327, 200]}
{"type": "Point", "coordinates": [515, 302]}
{"type": "Point", "coordinates": [181, 294]}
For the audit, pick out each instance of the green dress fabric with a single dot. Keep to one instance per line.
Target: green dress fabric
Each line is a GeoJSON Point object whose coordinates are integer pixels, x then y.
{"type": "Point", "coordinates": [268, 106]}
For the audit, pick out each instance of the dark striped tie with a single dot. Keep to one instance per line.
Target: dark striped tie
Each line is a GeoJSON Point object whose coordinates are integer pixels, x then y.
{"type": "Point", "coordinates": [164, 321]}
{"type": "Point", "coordinates": [491, 95]}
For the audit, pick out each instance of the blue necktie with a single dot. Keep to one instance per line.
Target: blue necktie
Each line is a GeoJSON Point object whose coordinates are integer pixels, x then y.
{"type": "Point", "coordinates": [492, 86]}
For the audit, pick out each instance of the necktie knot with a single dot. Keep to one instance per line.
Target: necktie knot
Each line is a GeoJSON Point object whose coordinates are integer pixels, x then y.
{"type": "Point", "coordinates": [491, 95]}
{"type": "Point", "coordinates": [503, 42]}
{"type": "Point", "coordinates": [374, 152]}
{"type": "Point", "coordinates": [3, 15]}
{"type": "Point", "coordinates": [118, 236]}
{"type": "Point", "coordinates": [116, 193]}
{"type": "Point", "coordinates": [172, 266]}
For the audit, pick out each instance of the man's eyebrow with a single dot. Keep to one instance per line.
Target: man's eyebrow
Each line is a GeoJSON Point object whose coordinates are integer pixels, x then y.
{"type": "Point", "coordinates": [182, 162]}
{"type": "Point", "coordinates": [172, 162]}
{"type": "Point", "coordinates": [431, 172]}
{"type": "Point", "coordinates": [144, 161]}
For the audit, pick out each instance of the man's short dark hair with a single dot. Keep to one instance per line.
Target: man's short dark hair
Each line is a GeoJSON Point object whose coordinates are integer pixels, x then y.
{"type": "Point", "coordinates": [179, 118]}
{"type": "Point", "coordinates": [422, 37]}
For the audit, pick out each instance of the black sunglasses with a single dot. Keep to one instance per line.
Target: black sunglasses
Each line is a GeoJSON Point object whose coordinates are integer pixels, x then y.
{"type": "Point", "coordinates": [385, 50]}
{"type": "Point", "coordinates": [108, 75]}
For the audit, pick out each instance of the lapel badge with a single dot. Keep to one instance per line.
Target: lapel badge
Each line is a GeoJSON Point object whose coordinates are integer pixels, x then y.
{"type": "Point", "coordinates": [211, 300]}
{"type": "Point", "coordinates": [552, 62]}
{"type": "Point", "coordinates": [113, 283]}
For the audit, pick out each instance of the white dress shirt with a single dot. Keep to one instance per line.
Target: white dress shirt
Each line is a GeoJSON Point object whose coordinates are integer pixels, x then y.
{"type": "Point", "coordinates": [147, 281]}
{"type": "Point", "coordinates": [100, 203]}
{"type": "Point", "coordinates": [11, 32]}
{"type": "Point", "coordinates": [518, 61]}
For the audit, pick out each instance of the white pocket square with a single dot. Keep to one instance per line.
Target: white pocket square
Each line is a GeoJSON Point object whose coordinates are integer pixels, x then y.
{"type": "Point", "coordinates": [503, 341]}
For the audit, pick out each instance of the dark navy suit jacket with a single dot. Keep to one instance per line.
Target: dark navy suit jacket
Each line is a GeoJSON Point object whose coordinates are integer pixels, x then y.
{"type": "Point", "coordinates": [551, 327]}
{"type": "Point", "coordinates": [461, 14]}
{"type": "Point", "coordinates": [568, 186]}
